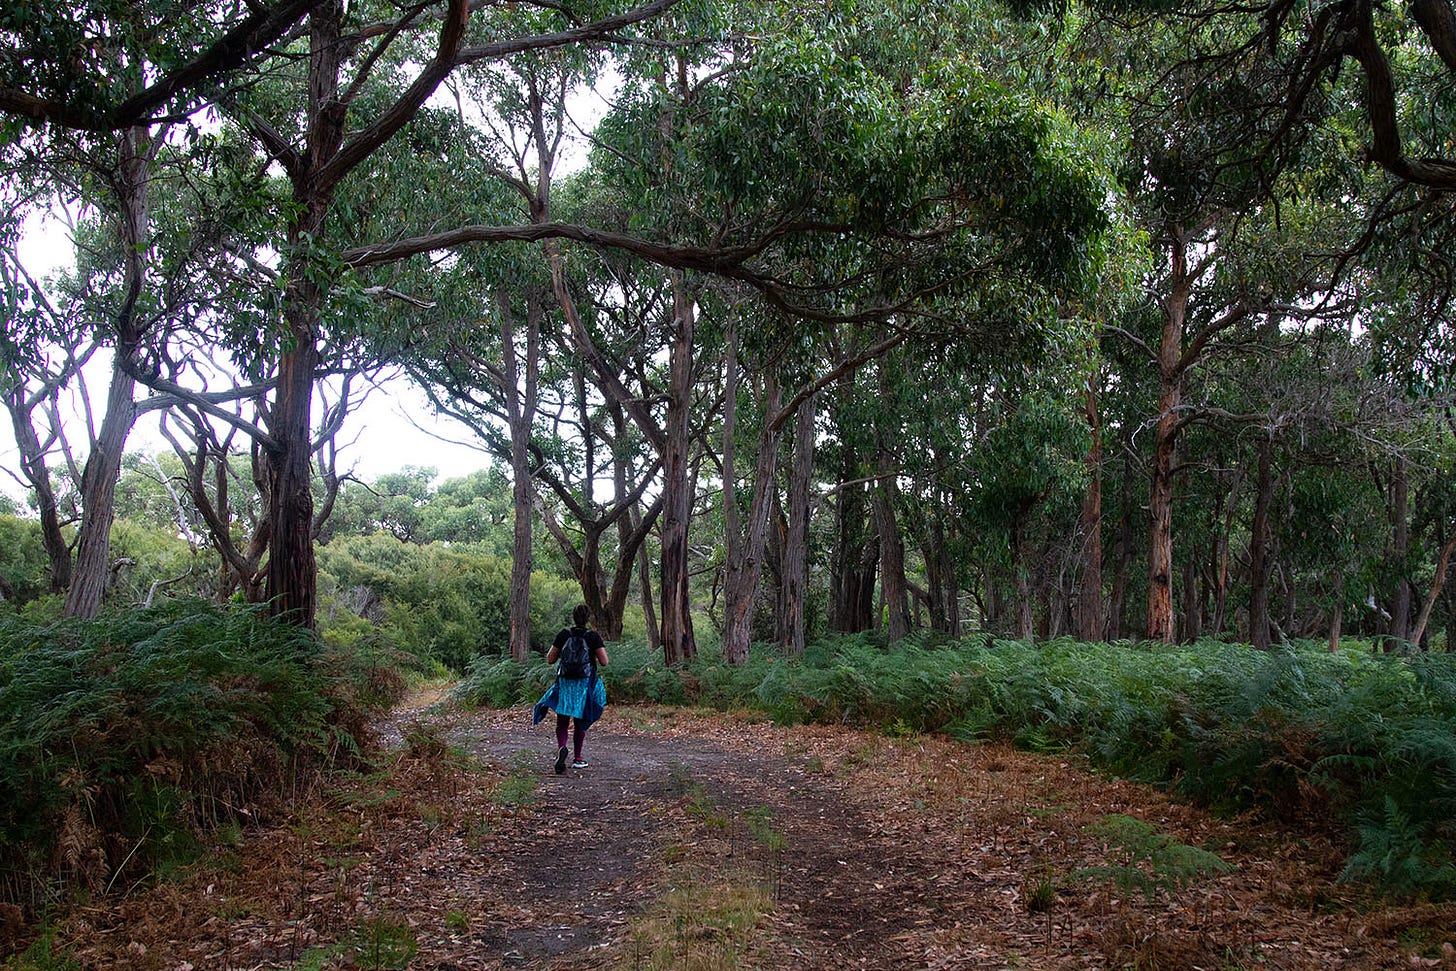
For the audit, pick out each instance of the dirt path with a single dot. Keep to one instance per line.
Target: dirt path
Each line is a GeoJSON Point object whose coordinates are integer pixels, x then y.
{"type": "Point", "coordinates": [715, 841]}
{"type": "Point", "coordinates": [641, 776]}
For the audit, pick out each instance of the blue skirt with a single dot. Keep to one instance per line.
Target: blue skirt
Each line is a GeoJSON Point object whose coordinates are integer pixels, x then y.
{"type": "Point", "coordinates": [579, 698]}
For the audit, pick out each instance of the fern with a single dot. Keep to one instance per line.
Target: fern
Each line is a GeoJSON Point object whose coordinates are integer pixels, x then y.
{"type": "Point", "coordinates": [1393, 849]}
{"type": "Point", "coordinates": [150, 723]}
{"type": "Point", "coordinates": [1150, 861]}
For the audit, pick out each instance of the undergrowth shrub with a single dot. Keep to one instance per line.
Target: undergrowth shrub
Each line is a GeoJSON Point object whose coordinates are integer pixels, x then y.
{"type": "Point", "coordinates": [123, 739]}
{"type": "Point", "coordinates": [1356, 742]}
{"type": "Point", "coordinates": [448, 604]}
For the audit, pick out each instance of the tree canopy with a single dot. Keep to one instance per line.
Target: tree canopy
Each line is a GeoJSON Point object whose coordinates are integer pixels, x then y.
{"type": "Point", "coordinates": [1129, 319]}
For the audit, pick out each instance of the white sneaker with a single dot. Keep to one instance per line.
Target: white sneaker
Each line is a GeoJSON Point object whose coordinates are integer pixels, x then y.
{"type": "Point", "coordinates": [579, 763]}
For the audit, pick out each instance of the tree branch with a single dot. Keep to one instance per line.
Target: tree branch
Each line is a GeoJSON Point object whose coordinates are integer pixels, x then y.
{"type": "Point", "coordinates": [597, 30]}
{"type": "Point", "coordinates": [229, 52]}
{"type": "Point", "coordinates": [364, 144]}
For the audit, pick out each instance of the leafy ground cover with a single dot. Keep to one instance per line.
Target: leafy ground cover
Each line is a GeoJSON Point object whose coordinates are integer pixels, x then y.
{"type": "Point", "coordinates": [706, 840]}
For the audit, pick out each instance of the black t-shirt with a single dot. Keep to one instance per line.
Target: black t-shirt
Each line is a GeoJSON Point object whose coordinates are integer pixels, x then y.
{"type": "Point", "coordinates": [594, 642]}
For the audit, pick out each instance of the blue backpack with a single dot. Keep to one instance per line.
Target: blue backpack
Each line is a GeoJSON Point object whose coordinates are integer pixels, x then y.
{"type": "Point", "coordinates": [575, 660]}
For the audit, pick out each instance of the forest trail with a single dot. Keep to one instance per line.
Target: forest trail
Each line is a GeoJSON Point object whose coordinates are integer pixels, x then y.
{"type": "Point", "coordinates": [665, 807]}
{"type": "Point", "coordinates": [706, 841]}
{"type": "Point", "coordinates": [884, 853]}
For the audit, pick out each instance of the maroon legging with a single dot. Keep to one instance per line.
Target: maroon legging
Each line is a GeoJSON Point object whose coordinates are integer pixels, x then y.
{"type": "Point", "coordinates": [577, 736]}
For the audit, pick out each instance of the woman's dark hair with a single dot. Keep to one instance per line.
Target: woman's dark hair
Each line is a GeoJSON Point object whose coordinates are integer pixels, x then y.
{"type": "Point", "coordinates": [579, 614]}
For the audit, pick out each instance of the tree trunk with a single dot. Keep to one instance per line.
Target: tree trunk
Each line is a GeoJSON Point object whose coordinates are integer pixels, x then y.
{"type": "Point", "coordinates": [292, 574]}
{"type": "Point", "coordinates": [644, 583]}
{"type": "Point", "coordinates": [1439, 582]}
{"type": "Point", "coordinates": [1259, 550]}
{"type": "Point", "coordinates": [1171, 370]}
{"type": "Point", "coordinates": [1122, 562]}
{"type": "Point", "coordinates": [993, 607]}
{"type": "Point", "coordinates": [743, 557]}
{"type": "Point", "coordinates": [843, 558]}
{"type": "Point", "coordinates": [98, 482]}
{"type": "Point", "coordinates": [678, 643]}
{"type": "Point", "coordinates": [239, 567]}
{"type": "Point", "coordinates": [773, 563]}
{"type": "Point", "coordinates": [36, 472]}
{"type": "Point", "coordinates": [98, 497]}
{"type": "Point", "coordinates": [743, 572]}
{"type": "Point", "coordinates": [1229, 500]}
{"type": "Point", "coordinates": [864, 585]}
{"type": "Point", "coordinates": [520, 387]}
{"type": "Point", "coordinates": [1159, 625]}
{"type": "Point", "coordinates": [937, 565]}
{"type": "Point", "coordinates": [1192, 620]}
{"type": "Point", "coordinates": [606, 602]}
{"type": "Point", "coordinates": [1287, 582]}
{"type": "Point", "coordinates": [672, 445]}
{"type": "Point", "coordinates": [734, 565]}
{"type": "Point", "coordinates": [951, 592]}
{"type": "Point", "coordinates": [796, 538]}
{"type": "Point", "coordinates": [1090, 619]}
{"type": "Point", "coordinates": [893, 587]}
{"type": "Point", "coordinates": [632, 532]}
{"type": "Point", "coordinates": [1048, 607]}
{"type": "Point", "coordinates": [856, 552]}
{"type": "Point", "coordinates": [1021, 582]}
{"type": "Point", "coordinates": [1400, 520]}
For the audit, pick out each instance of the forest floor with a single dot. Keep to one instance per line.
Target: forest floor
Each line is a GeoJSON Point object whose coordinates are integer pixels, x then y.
{"type": "Point", "coordinates": [708, 841]}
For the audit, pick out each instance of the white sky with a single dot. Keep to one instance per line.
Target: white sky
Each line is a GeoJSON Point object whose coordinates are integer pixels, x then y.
{"type": "Point", "coordinates": [395, 426]}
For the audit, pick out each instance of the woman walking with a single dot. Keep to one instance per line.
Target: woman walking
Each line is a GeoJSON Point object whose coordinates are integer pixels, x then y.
{"type": "Point", "coordinates": [577, 695]}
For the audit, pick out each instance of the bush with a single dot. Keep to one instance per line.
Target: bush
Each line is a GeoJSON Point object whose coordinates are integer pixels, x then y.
{"type": "Point", "coordinates": [449, 604]}
{"type": "Point", "coordinates": [24, 572]}
{"type": "Point", "coordinates": [123, 737]}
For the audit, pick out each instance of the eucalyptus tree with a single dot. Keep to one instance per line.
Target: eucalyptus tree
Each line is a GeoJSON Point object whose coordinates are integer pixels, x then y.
{"type": "Point", "coordinates": [489, 377]}
{"type": "Point", "coordinates": [791, 365]}
{"type": "Point", "coordinates": [855, 550]}
{"type": "Point", "coordinates": [1394, 63]}
{"type": "Point", "coordinates": [1408, 265]}
{"type": "Point", "coordinates": [140, 284]}
{"type": "Point", "coordinates": [1373, 82]}
{"type": "Point", "coordinates": [617, 301]}
{"type": "Point", "coordinates": [899, 165]}
{"type": "Point", "coordinates": [528, 129]}
{"type": "Point", "coordinates": [883, 195]}
{"type": "Point", "coordinates": [1263, 414]}
{"type": "Point", "coordinates": [517, 380]}
{"type": "Point", "coordinates": [298, 77]}
{"type": "Point", "coordinates": [41, 352]}
{"type": "Point", "coordinates": [1116, 297]}
{"type": "Point", "coordinates": [228, 504]}
{"type": "Point", "coordinates": [334, 121]}
{"type": "Point", "coordinates": [118, 316]}
{"type": "Point", "coordinates": [1024, 480]}
{"type": "Point", "coordinates": [474, 508]}
{"type": "Point", "coordinates": [1198, 174]}
{"type": "Point", "coordinates": [100, 82]}
{"type": "Point", "coordinates": [104, 83]}
{"type": "Point", "coordinates": [394, 503]}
